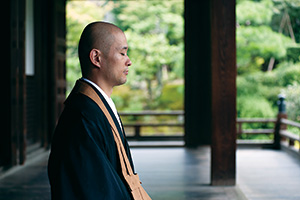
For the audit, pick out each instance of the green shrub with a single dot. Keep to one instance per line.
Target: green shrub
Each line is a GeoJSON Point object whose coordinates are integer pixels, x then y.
{"type": "Point", "coordinates": [293, 54]}
{"type": "Point", "coordinates": [256, 45]}
{"type": "Point", "coordinates": [259, 84]}
{"type": "Point", "coordinates": [254, 107]}
{"type": "Point", "coordinates": [127, 99]}
{"type": "Point", "coordinates": [172, 97]}
{"type": "Point", "coordinates": [254, 13]}
{"type": "Point", "coordinates": [268, 84]}
{"type": "Point", "coordinates": [287, 73]}
{"type": "Point", "coordinates": [292, 93]}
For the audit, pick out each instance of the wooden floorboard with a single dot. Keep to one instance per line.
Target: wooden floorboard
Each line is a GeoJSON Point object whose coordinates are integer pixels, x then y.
{"type": "Point", "coordinates": [179, 174]}
{"type": "Point", "coordinates": [265, 174]}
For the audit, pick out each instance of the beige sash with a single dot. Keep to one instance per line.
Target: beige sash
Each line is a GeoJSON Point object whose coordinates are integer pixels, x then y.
{"type": "Point", "coordinates": [132, 179]}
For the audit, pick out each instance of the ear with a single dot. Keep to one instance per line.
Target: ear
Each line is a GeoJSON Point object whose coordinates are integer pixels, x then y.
{"type": "Point", "coordinates": [95, 57]}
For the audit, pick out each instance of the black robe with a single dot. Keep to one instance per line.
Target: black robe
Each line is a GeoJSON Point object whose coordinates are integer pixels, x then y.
{"type": "Point", "coordinates": [84, 162]}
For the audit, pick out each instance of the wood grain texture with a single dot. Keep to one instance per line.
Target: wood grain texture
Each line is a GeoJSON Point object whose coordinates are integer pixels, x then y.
{"type": "Point", "coordinates": [223, 63]}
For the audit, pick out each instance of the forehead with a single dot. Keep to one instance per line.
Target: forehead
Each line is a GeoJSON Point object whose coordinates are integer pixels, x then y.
{"type": "Point", "coordinates": [120, 41]}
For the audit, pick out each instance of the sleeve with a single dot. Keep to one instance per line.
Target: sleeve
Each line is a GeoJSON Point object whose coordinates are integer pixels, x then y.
{"type": "Point", "coordinates": [78, 168]}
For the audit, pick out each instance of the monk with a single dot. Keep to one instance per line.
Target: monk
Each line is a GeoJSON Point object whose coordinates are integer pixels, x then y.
{"type": "Point", "coordinates": [84, 162]}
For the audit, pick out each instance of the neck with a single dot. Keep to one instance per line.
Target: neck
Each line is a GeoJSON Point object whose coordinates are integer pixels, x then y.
{"type": "Point", "coordinates": [102, 84]}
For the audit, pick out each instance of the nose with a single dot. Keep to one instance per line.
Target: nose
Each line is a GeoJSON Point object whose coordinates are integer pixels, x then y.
{"type": "Point", "coordinates": [128, 62]}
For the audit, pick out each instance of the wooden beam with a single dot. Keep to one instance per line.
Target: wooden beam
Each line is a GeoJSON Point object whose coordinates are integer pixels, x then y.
{"type": "Point", "coordinates": [223, 63]}
{"type": "Point", "coordinates": [5, 122]}
{"type": "Point", "coordinates": [197, 73]}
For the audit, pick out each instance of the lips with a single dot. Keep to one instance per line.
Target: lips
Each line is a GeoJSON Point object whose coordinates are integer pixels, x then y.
{"type": "Point", "coordinates": [126, 71]}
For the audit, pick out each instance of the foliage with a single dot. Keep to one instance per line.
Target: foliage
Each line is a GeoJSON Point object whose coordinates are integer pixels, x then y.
{"type": "Point", "coordinates": [254, 13]}
{"type": "Point", "coordinates": [257, 95]}
{"type": "Point", "coordinates": [268, 85]}
{"type": "Point", "coordinates": [172, 97]}
{"type": "Point", "coordinates": [79, 14]}
{"type": "Point", "coordinates": [256, 45]}
{"type": "Point", "coordinates": [155, 35]}
{"type": "Point", "coordinates": [293, 54]}
{"type": "Point", "coordinates": [292, 7]}
{"type": "Point", "coordinates": [254, 107]}
{"type": "Point", "coordinates": [154, 32]}
{"type": "Point", "coordinates": [288, 73]}
{"type": "Point", "coordinates": [292, 93]}
{"type": "Point", "coordinates": [128, 99]}
{"type": "Point", "coordinates": [257, 41]}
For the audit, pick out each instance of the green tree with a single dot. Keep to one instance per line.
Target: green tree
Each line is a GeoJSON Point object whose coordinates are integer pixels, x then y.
{"type": "Point", "coordinates": [155, 35]}
{"type": "Point", "coordinates": [254, 13]}
{"type": "Point", "coordinates": [256, 45]}
{"type": "Point", "coordinates": [256, 41]}
{"type": "Point", "coordinates": [154, 32]}
{"type": "Point", "coordinates": [292, 8]}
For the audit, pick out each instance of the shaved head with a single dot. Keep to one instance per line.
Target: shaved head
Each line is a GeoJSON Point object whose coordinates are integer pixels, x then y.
{"type": "Point", "coordinates": [96, 35]}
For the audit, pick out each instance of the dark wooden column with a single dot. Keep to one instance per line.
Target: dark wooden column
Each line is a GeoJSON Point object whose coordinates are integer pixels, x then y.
{"type": "Point", "coordinates": [223, 64]}
{"type": "Point", "coordinates": [197, 73]}
{"type": "Point", "coordinates": [50, 47]}
{"type": "Point", "coordinates": [5, 81]}
{"type": "Point", "coordinates": [12, 136]}
{"type": "Point", "coordinates": [210, 90]}
{"type": "Point", "coordinates": [49, 52]}
{"type": "Point", "coordinates": [42, 48]}
{"type": "Point", "coordinates": [57, 67]}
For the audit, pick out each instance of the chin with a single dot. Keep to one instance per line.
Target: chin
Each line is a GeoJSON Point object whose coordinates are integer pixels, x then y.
{"type": "Point", "coordinates": [121, 82]}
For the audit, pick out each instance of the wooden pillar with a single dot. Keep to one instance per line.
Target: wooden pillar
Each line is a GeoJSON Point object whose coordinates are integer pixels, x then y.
{"type": "Point", "coordinates": [210, 90]}
{"type": "Point", "coordinates": [50, 73]}
{"type": "Point", "coordinates": [56, 65]}
{"type": "Point", "coordinates": [223, 66]}
{"type": "Point", "coordinates": [17, 80]}
{"type": "Point", "coordinates": [197, 73]}
{"type": "Point", "coordinates": [12, 136]}
{"type": "Point", "coordinates": [50, 47]}
{"type": "Point", "coordinates": [42, 51]}
{"type": "Point", "coordinates": [5, 122]}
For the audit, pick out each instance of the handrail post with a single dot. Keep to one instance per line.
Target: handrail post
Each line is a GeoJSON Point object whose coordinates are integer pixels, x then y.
{"type": "Point", "coordinates": [240, 128]}
{"type": "Point", "coordinates": [137, 131]}
{"type": "Point", "coordinates": [278, 126]}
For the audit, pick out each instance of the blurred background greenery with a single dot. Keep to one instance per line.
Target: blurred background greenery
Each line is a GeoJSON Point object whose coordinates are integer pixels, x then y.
{"type": "Point", "coordinates": [268, 53]}
{"type": "Point", "coordinates": [154, 31]}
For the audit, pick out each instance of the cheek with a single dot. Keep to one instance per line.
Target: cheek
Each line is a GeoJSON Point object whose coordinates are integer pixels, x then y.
{"type": "Point", "coordinates": [116, 68]}
{"type": "Point", "coordinates": [116, 60]}
{"type": "Point", "coordinates": [116, 64]}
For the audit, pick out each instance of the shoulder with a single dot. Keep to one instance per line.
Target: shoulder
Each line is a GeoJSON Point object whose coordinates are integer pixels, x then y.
{"type": "Point", "coordinates": [81, 120]}
{"type": "Point", "coordinates": [82, 111]}
{"type": "Point", "coordinates": [82, 104]}
{"type": "Point", "coordinates": [80, 108]}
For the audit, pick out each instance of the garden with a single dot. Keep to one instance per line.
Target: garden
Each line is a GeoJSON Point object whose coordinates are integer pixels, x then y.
{"type": "Point", "coordinates": [268, 54]}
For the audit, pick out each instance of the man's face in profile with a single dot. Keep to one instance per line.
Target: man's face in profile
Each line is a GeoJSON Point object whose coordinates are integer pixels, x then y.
{"type": "Point", "coordinates": [116, 62]}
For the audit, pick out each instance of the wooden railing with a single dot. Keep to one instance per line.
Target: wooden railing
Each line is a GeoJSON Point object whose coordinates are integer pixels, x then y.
{"type": "Point", "coordinates": [287, 136]}
{"type": "Point", "coordinates": [241, 121]}
{"type": "Point", "coordinates": [265, 131]}
{"type": "Point", "coordinates": [178, 121]}
{"type": "Point", "coordinates": [139, 124]}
